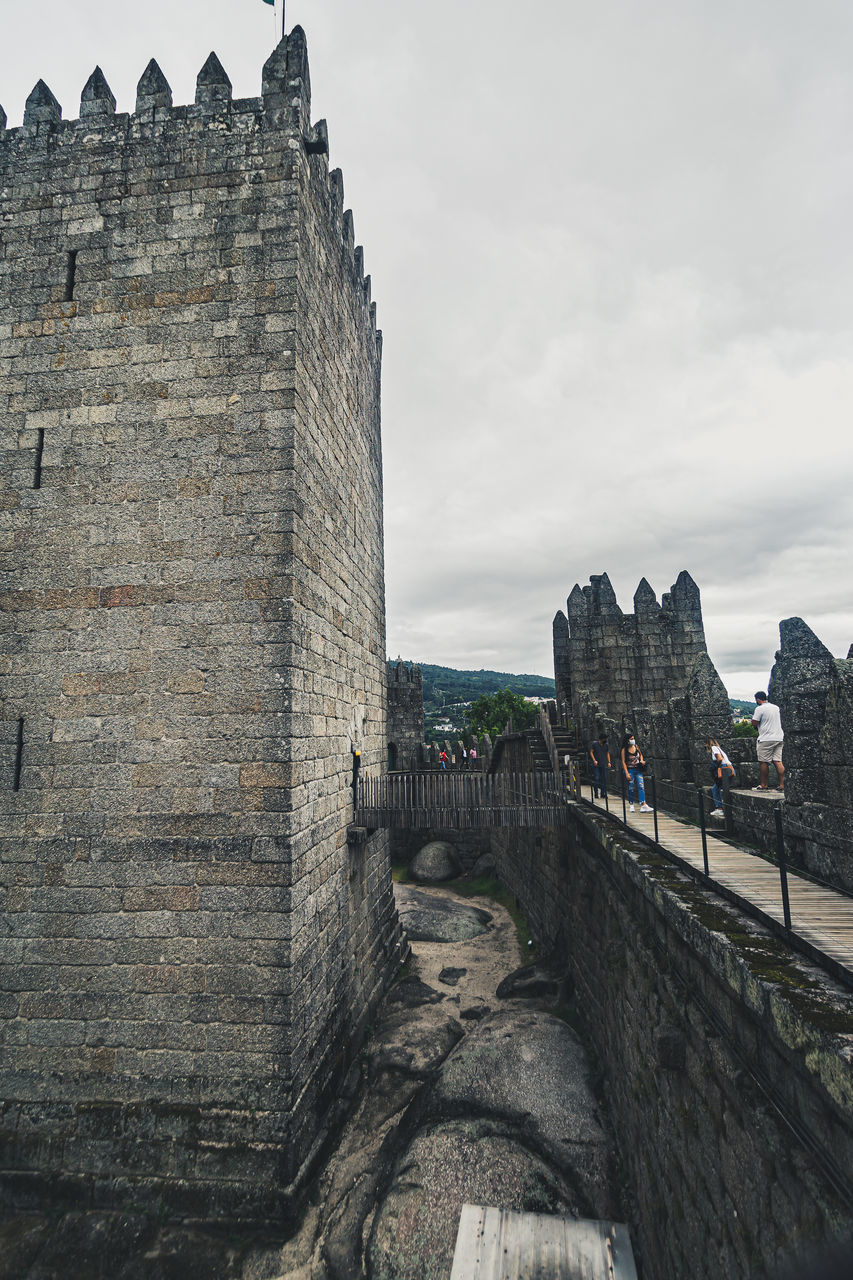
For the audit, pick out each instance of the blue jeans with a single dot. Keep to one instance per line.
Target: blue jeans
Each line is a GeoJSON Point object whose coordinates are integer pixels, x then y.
{"type": "Point", "coordinates": [599, 779]}
{"type": "Point", "coordinates": [636, 776]}
{"type": "Point", "coordinates": [717, 791]}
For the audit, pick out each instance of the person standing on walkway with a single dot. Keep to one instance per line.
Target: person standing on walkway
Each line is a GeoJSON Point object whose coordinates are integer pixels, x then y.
{"type": "Point", "coordinates": [722, 769]}
{"type": "Point", "coordinates": [767, 719]}
{"type": "Point", "coordinates": [633, 763]}
{"type": "Point", "coordinates": [599, 752]}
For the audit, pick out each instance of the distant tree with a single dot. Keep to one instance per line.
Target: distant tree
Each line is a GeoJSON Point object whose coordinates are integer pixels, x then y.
{"type": "Point", "coordinates": [490, 712]}
{"type": "Point", "coordinates": [744, 729]}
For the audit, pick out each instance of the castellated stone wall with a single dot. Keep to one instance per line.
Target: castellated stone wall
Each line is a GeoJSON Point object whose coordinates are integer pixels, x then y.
{"type": "Point", "coordinates": [193, 645]}
{"type": "Point", "coordinates": [648, 670]}
{"type": "Point", "coordinates": [725, 1058]}
{"type": "Point", "coordinates": [814, 692]}
{"type": "Point", "coordinates": [405, 716]}
{"type": "Point", "coordinates": [621, 661]}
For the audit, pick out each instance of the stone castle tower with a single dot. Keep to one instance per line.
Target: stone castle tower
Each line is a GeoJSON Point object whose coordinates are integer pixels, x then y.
{"type": "Point", "coordinates": [405, 715]}
{"type": "Point", "coordinates": [193, 644]}
{"type": "Point", "coordinates": [620, 661]}
{"type": "Point", "coordinates": [649, 669]}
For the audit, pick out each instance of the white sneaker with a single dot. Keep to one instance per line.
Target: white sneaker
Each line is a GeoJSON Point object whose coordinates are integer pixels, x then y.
{"type": "Point", "coordinates": [716, 813]}
{"type": "Point", "coordinates": [630, 808]}
{"type": "Point", "coordinates": [644, 808]}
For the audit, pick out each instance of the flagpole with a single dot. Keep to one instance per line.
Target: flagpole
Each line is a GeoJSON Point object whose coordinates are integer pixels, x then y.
{"type": "Point", "coordinates": [283, 7]}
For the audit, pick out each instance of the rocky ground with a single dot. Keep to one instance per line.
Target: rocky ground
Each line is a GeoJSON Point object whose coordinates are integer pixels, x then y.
{"type": "Point", "coordinates": [476, 1089]}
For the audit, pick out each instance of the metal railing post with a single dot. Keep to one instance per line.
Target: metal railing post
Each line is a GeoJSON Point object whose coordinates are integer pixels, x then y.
{"type": "Point", "coordinates": [701, 797]}
{"type": "Point", "coordinates": [624, 809]}
{"type": "Point", "coordinates": [783, 870]}
{"type": "Point", "coordinates": [653, 786]}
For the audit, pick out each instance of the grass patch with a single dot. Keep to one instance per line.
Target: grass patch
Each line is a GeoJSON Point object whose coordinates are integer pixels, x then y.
{"type": "Point", "coordinates": [482, 887]}
{"type": "Point", "coordinates": [490, 887]}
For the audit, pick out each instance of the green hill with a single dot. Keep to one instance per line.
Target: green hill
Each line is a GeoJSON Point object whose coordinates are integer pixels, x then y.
{"type": "Point", "coordinates": [446, 687]}
{"type": "Point", "coordinates": [447, 693]}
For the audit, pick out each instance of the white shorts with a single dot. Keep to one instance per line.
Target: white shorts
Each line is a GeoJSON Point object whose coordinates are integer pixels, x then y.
{"type": "Point", "coordinates": [770, 749]}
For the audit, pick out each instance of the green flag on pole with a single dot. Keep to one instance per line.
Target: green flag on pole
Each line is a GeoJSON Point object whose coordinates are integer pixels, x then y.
{"type": "Point", "coordinates": [269, 1]}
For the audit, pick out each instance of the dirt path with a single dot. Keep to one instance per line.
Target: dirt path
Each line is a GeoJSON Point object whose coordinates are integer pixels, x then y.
{"type": "Point", "coordinates": [486, 959]}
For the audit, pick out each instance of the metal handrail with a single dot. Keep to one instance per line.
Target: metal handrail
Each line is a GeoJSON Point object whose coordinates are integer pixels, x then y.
{"type": "Point", "coordinates": [784, 930]}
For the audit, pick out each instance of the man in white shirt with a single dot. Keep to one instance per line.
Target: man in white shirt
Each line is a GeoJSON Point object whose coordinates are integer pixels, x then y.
{"type": "Point", "coordinates": [768, 721]}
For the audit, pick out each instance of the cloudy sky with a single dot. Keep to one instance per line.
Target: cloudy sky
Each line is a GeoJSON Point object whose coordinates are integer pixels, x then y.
{"type": "Point", "coordinates": [610, 249]}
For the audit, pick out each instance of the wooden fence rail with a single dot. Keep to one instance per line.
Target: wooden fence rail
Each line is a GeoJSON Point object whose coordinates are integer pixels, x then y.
{"type": "Point", "coordinates": [461, 800]}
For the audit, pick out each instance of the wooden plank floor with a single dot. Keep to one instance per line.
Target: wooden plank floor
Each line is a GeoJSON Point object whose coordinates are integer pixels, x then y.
{"type": "Point", "coordinates": [821, 916]}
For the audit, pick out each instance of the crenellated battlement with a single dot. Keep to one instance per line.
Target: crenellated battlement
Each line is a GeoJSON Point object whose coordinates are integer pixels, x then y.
{"type": "Point", "coordinates": [619, 661]}
{"type": "Point", "coordinates": [283, 108]}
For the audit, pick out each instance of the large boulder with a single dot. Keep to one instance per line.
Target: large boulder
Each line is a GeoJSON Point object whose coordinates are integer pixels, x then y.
{"type": "Point", "coordinates": [435, 862]}
{"type": "Point", "coordinates": [428, 918]}
{"type": "Point", "coordinates": [508, 1120]}
{"type": "Point", "coordinates": [459, 1162]}
{"type": "Point", "coordinates": [530, 1070]}
{"type": "Point", "coordinates": [541, 981]}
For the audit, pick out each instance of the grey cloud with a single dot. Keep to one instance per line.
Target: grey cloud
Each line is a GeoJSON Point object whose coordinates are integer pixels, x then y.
{"type": "Point", "coordinates": [609, 249]}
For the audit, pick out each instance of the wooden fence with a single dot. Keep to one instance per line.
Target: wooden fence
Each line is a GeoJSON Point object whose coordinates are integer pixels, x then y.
{"type": "Point", "coordinates": [461, 801]}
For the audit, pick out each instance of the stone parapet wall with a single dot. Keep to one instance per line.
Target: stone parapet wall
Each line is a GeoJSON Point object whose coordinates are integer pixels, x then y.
{"type": "Point", "coordinates": [703, 1027]}
{"type": "Point", "coordinates": [193, 645]}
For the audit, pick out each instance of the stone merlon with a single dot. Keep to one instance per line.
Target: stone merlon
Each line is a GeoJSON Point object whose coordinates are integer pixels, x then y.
{"type": "Point", "coordinates": [97, 98]}
{"type": "Point", "coordinates": [645, 600]}
{"type": "Point", "coordinates": [212, 86]}
{"type": "Point", "coordinates": [41, 107]}
{"type": "Point", "coordinates": [153, 90]}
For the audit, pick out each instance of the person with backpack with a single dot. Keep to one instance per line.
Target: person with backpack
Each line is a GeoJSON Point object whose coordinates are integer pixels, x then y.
{"type": "Point", "coordinates": [633, 763]}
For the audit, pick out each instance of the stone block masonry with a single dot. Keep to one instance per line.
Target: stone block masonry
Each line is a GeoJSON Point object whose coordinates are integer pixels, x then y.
{"type": "Point", "coordinates": [405, 716]}
{"type": "Point", "coordinates": [725, 1060]}
{"type": "Point", "coordinates": [193, 645]}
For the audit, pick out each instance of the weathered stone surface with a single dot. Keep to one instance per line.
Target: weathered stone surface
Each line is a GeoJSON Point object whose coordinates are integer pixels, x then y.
{"type": "Point", "coordinates": [412, 1047]}
{"type": "Point", "coordinates": [694, 1129]}
{"type": "Point", "coordinates": [530, 1070]}
{"type": "Point", "coordinates": [433, 919]}
{"type": "Point", "coordinates": [476, 1012]}
{"type": "Point", "coordinates": [435, 862]}
{"type": "Point", "coordinates": [648, 671]}
{"type": "Point", "coordinates": [114, 1246]}
{"type": "Point", "coordinates": [461, 1161]}
{"type": "Point", "coordinates": [484, 866]}
{"type": "Point", "coordinates": [541, 980]}
{"type": "Point", "coordinates": [410, 993]}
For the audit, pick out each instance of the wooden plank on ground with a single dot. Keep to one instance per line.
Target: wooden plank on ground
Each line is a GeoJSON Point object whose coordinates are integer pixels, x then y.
{"type": "Point", "coordinates": [500, 1244]}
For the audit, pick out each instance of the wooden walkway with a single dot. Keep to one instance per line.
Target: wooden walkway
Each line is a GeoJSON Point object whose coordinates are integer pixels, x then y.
{"type": "Point", "coordinates": [462, 801]}
{"type": "Point", "coordinates": [822, 917]}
